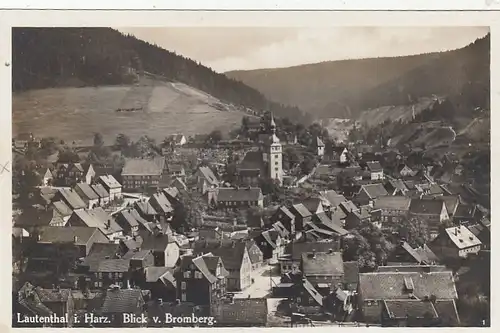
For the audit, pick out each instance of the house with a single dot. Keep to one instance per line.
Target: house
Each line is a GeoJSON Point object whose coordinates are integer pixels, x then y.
{"type": "Point", "coordinates": [56, 303]}
{"type": "Point", "coordinates": [175, 171]}
{"type": "Point", "coordinates": [161, 205]}
{"type": "Point", "coordinates": [418, 313]}
{"type": "Point", "coordinates": [322, 221]}
{"type": "Point", "coordinates": [333, 198]}
{"type": "Point", "coordinates": [395, 187]}
{"type": "Point", "coordinates": [376, 170]}
{"type": "Point", "coordinates": [357, 217]}
{"type": "Point", "coordinates": [433, 211]}
{"type": "Point", "coordinates": [83, 237]}
{"type": "Point", "coordinates": [87, 194]}
{"type": "Point", "coordinates": [164, 248]}
{"type": "Point", "coordinates": [112, 186]}
{"type": "Point", "coordinates": [319, 146]}
{"type": "Point", "coordinates": [101, 251]}
{"type": "Point", "coordinates": [234, 256]}
{"type": "Point", "coordinates": [369, 193]}
{"type": "Point", "coordinates": [455, 242]}
{"type": "Point", "coordinates": [201, 279]}
{"type": "Point", "coordinates": [127, 222]}
{"type": "Point", "coordinates": [47, 178]}
{"type": "Point", "coordinates": [68, 174]}
{"type": "Point", "coordinates": [324, 270]}
{"type": "Point", "coordinates": [393, 209]}
{"type": "Point", "coordinates": [376, 287]}
{"type": "Point", "coordinates": [102, 194]}
{"type": "Point", "coordinates": [337, 154]}
{"type": "Point", "coordinates": [107, 272]}
{"type": "Point", "coordinates": [120, 302]}
{"type": "Point", "coordinates": [284, 216]}
{"type": "Point", "coordinates": [291, 259]}
{"type": "Point", "coordinates": [177, 140]}
{"type": "Point", "coordinates": [238, 198]}
{"type": "Point", "coordinates": [70, 198]}
{"type": "Point", "coordinates": [146, 210]}
{"type": "Point", "coordinates": [348, 207]}
{"type": "Point", "coordinates": [96, 218]}
{"type": "Point", "coordinates": [271, 245]}
{"type": "Point", "coordinates": [161, 282]}
{"type": "Point", "coordinates": [178, 183]}
{"type": "Point", "coordinates": [172, 194]}
{"type": "Point", "coordinates": [314, 205]}
{"type": "Point", "coordinates": [235, 313]}
{"type": "Point", "coordinates": [466, 214]}
{"type": "Point", "coordinates": [302, 215]}
{"type": "Point", "coordinates": [206, 180]}
{"type": "Point", "coordinates": [451, 202]}
{"type": "Point", "coordinates": [62, 213]}
{"type": "Point", "coordinates": [403, 171]}
{"type": "Point", "coordinates": [141, 174]}
{"type": "Point", "coordinates": [255, 254]}
{"type": "Point", "coordinates": [482, 233]}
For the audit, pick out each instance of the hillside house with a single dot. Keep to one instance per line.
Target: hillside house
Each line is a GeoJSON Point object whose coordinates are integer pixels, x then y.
{"type": "Point", "coordinates": [325, 271]}
{"type": "Point", "coordinates": [337, 155]}
{"type": "Point", "coordinates": [176, 140]}
{"type": "Point", "coordinates": [102, 194]}
{"type": "Point", "coordinates": [271, 245]}
{"type": "Point", "coordinates": [127, 222]}
{"type": "Point", "coordinates": [403, 171]}
{"type": "Point", "coordinates": [62, 213]}
{"type": "Point", "coordinates": [236, 260]}
{"type": "Point", "coordinates": [433, 211]}
{"type": "Point", "coordinates": [291, 259]}
{"type": "Point", "coordinates": [47, 178]}
{"type": "Point", "coordinates": [175, 171]}
{"type": "Point", "coordinates": [88, 195]}
{"type": "Point", "coordinates": [455, 242]}
{"type": "Point", "coordinates": [141, 175]}
{"type": "Point", "coordinates": [285, 217]}
{"type": "Point", "coordinates": [319, 146]}
{"type": "Point", "coordinates": [369, 193]}
{"type": "Point", "coordinates": [302, 216]}
{"type": "Point", "coordinates": [376, 170]}
{"type": "Point", "coordinates": [161, 282]}
{"type": "Point", "coordinates": [96, 218]}
{"type": "Point", "coordinates": [112, 186]}
{"type": "Point", "coordinates": [237, 198]}
{"type": "Point", "coordinates": [165, 249]}
{"type": "Point", "coordinates": [107, 272]}
{"type": "Point", "coordinates": [201, 279]}
{"type": "Point", "coordinates": [393, 209]}
{"type": "Point", "coordinates": [83, 237]}
{"type": "Point", "coordinates": [68, 174]}
{"type": "Point", "coordinates": [70, 198]}
{"type": "Point", "coordinates": [395, 187]}
{"type": "Point", "coordinates": [206, 180]}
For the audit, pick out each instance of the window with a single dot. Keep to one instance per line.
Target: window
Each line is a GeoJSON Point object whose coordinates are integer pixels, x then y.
{"type": "Point", "coordinates": [120, 275]}
{"type": "Point", "coordinates": [96, 284]}
{"type": "Point", "coordinates": [99, 275]}
{"type": "Point", "coordinates": [183, 285]}
{"type": "Point", "coordinates": [183, 297]}
{"type": "Point", "coordinates": [100, 284]}
{"type": "Point", "coordinates": [110, 275]}
{"type": "Point", "coordinates": [197, 275]}
{"type": "Point", "coordinates": [187, 274]}
{"type": "Point", "coordinates": [276, 162]}
{"type": "Point", "coordinates": [299, 299]}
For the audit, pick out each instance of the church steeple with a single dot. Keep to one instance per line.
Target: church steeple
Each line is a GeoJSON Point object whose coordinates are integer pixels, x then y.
{"type": "Point", "coordinates": [273, 124]}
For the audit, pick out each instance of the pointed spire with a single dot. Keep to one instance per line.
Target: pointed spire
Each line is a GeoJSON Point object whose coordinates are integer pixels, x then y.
{"type": "Point", "coordinates": [273, 124]}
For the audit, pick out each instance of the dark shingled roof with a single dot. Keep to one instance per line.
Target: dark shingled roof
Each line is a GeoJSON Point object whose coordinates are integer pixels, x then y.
{"type": "Point", "coordinates": [100, 190]}
{"type": "Point", "coordinates": [447, 311]}
{"type": "Point", "coordinates": [252, 160]}
{"type": "Point", "coordinates": [398, 309]}
{"type": "Point", "coordinates": [87, 191]}
{"type": "Point", "coordinates": [300, 210]}
{"type": "Point", "coordinates": [145, 208]}
{"type": "Point", "coordinates": [111, 266]}
{"type": "Point", "coordinates": [231, 252]}
{"type": "Point", "coordinates": [153, 274]}
{"type": "Point", "coordinates": [451, 202]}
{"type": "Point", "coordinates": [100, 251]}
{"type": "Point", "coordinates": [66, 234]}
{"type": "Point", "coordinates": [161, 200]}
{"type": "Point", "coordinates": [322, 264]}
{"type": "Point", "coordinates": [237, 312]}
{"type": "Point", "coordinates": [374, 166]}
{"type": "Point", "coordinates": [72, 198]}
{"type": "Point", "coordinates": [141, 167]}
{"type": "Point", "coordinates": [242, 194]}
{"type": "Point", "coordinates": [156, 242]}
{"type": "Point", "coordinates": [392, 203]}
{"type": "Point", "coordinates": [122, 301]}
{"type": "Point", "coordinates": [374, 191]}
{"type": "Point", "coordinates": [129, 218]}
{"type": "Point", "coordinates": [209, 175]}
{"type": "Point", "coordinates": [254, 252]}
{"type": "Point", "coordinates": [351, 272]}
{"type": "Point", "coordinates": [391, 285]}
{"type": "Point", "coordinates": [312, 204]}
{"type": "Point", "coordinates": [333, 198]}
{"type": "Point", "coordinates": [62, 208]}
{"type": "Point", "coordinates": [426, 206]}
{"type": "Point", "coordinates": [312, 291]}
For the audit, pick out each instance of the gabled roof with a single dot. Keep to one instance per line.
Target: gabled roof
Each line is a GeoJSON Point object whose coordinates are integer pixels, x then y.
{"type": "Point", "coordinates": [156, 242]}
{"type": "Point", "coordinates": [72, 198]}
{"type": "Point", "coordinates": [145, 208]}
{"type": "Point", "coordinates": [451, 202]}
{"type": "Point", "coordinates": [428, 257]}
{"type": "Point", "coordinates": [242, 194]}
{"type": "Point", "coordinates": [164, 274]}
{"type": "Point", "coordinates": [323, 221]}
{"type": "Point", "coordinates": [100, 191]}
{"type": "Point", "coordinates": [300, 210]}
{"type": "Point", "coordinates": [231, 252]}
{"type": "Point", "coordinates": [312, 204]}
{"type": "Point", "coordinates": [122, 301]}
{"type": "Point", "coordinates": [333, 197]}
{"type": "Point", "coordinates": [48, 174]}
{"type": "Point", "coordinates": [107, 221]}
{"type": "Point", "coordinates": [397, 184]}
{"type": "Point", "coordinates": [447, 311]}
{"type": "Point", "coordinates": [135, 214]}
{"type": "Point", "coordinates": [426, 206]}
{"type": "Point", "coordinates": [296, 249]}
{"type": "Point", "coordinates": [312, 291]}
{"type": "Point", "coordinates": [462, 237]}
{"type": "Point", "coordinates": [400, 309]}
{"type": "Point", "coordinates": [162, 201]}
{"type": "Point", "coordinates": [100, 251]}
{"type": "Point", "coordinates": [280, 228]}
{"type": "Point", "coordinates": [252, 161]}
{"type": "Point", "coordinates": [374, 191]}
{"type": "Point", "coordinates": [141, 167]}
{"type": "Point", "coordinates": [374, 166]}
{"type": "Point", "coordinates": [110, 181]}
{"type": "Point", "coordinates": [110, 266]}
{"type": "Point", "coordinates": [271, 236]}
{"type": "Point", "coordinates": [319, 264]}
{"type": "Point", "coordinates": [125, 214]}
{"type": "Point", "coordinates": [286, 211]}
{"type": "Point", "coordinates": [393, 203]}
{"type": "Point", "coordinates": [66, 234]}
{"type": "Point", "coordinates": [391, 285]}
{"type": "Point", "coordinates": [62, 209]}
{"type": "Point", "coordinates": [87, 191]}
{"type": "Point", "coordinates": [348, 207]}
{"type": "Point", "coordinates": [209, 175]}
{"type": "Point", "coordinates": [319, 143]}
{"type": "Point", "coordinates": [175, 168]}
{"type": "Point", "coordinates": [254, 252]}
{"type": "Point", "coordinates": [172, 192]}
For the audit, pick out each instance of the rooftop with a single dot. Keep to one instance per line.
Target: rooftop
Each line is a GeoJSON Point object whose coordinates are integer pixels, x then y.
{"type": "Point", "coordinates": [462, 237]}
{"type": "Point", "coordinates": [87, 191]}
{"type": "Point", "coordinates": [241, 194]}
{"type": "Point", "coordinates": [122, 301]}
{"type": "Point", "coordinates": [392, 203]}
{"type": "Point", "coordinates": [426, 206]}
{"type": "Point", "coordinates": [66, 234]}
{"type": "Point", "coordinates": [141, 167]}
{"type": "Point", "coordinates": [330, 264]}
{"type": "Point", "coordinates": [374, 191]}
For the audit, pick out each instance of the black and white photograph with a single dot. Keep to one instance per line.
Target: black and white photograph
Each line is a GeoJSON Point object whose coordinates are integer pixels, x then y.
{"type": "Point", "coordinates": [333, 176]}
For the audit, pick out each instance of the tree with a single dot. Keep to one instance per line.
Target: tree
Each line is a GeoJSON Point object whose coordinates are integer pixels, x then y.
{"type": "Point", "coordinates": [414, 230]}
{"type": "Point", "coordinates": [68, 155]}
{"type": "Point", "coordinates": [98, 140]}
{"type": "Point", "coordinates": [215, 136]}
{"type": "Point", "coordinates": [308, 163]}
{"type": "Point", "coordinates": [270, 187]}
{"type": "Point", "coordinates": [122, 142]}
{"type": "Point", "coordinates": [291, 157]}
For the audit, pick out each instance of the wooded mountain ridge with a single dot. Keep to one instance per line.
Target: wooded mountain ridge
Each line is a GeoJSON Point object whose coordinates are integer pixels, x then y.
{"type": "Point", "coordinates": [344, 89]}
{"type": "Point", "coordinates": [77, 57]}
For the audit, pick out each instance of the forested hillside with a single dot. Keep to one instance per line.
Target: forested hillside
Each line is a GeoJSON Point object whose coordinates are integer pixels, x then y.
{"type": "Point", "coordinates": [75, 57]}
{"type": "Point", "coordinates": [346, 88]}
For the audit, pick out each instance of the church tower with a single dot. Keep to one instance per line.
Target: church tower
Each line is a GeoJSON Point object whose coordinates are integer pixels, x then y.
{"type": "Point", "coordinates": [275, 153]}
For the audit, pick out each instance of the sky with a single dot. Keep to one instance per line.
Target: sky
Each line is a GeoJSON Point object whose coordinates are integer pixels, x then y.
{"type": "Point", "coordinates": [246, 48]}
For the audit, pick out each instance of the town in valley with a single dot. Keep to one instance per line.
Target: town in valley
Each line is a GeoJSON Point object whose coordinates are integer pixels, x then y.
{"type": "Point", "coordinates": [280, 221]}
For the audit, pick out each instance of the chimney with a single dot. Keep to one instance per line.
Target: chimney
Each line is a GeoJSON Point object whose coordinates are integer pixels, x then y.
{"type": "Point", "coordinates": [75, 239]}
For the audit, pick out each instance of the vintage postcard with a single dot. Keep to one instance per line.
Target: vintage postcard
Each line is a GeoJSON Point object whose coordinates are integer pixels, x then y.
{"type": "Point", "coordinates": [250, 175]}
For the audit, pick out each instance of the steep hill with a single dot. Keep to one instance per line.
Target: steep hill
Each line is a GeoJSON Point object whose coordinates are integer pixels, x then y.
{"type": "Point", "coordinates": [343, 89]}
{"type": "Point", "coordinates": [86, 57]}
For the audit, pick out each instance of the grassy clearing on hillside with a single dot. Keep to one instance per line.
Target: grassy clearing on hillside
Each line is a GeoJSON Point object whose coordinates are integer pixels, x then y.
{"type": "Point", "coordinates": [76, 113]}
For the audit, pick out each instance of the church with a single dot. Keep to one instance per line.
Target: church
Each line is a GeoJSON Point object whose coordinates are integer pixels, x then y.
{"type": "Point", "coordinates": [266, 162]}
